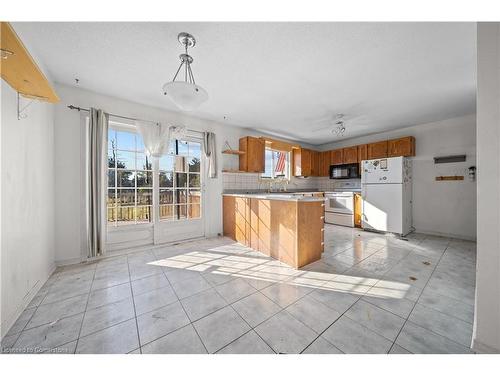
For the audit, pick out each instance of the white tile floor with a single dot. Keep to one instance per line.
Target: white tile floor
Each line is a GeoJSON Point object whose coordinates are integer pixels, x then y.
{"type": "Point", "coordinates": [369, 294]}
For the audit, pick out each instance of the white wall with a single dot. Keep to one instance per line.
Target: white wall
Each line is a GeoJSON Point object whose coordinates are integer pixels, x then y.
{"type": "Point", "coordinates": [68, 143]}
{"type": "Point", "coordinates": [27, 201]}
{"type": "Point", "coordinates": [486, 336]}
{"type": "Point", "coordinates": [445, 207]}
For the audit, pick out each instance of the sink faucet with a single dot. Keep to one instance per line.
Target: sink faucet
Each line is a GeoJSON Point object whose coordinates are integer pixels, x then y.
{"type": "Point", "coordinates": [274, 185]}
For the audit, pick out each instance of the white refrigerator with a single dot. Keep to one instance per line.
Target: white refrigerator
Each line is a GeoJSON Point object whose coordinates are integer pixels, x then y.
{"type": "Point", "coordinates": [386, 189]}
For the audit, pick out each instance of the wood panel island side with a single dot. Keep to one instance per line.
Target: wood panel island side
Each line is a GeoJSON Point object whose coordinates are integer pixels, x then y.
{"type": "Point", "coordinates": [289, 230]}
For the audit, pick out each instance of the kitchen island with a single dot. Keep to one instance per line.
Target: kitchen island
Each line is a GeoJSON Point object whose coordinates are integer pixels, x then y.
{"type": "Point", "coordinates": [287, 227]}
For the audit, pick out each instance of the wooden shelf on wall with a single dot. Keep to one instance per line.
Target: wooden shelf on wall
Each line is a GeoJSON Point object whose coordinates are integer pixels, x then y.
{"type": "Point", "coordinates": [449, 178]}
{"type": "Point", "coordinates": [19, 69]}
{"type": "Point", "coordinates": [233, 152]}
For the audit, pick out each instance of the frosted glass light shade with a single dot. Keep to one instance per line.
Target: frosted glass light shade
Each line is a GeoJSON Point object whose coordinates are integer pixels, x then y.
{"type": "Point", "coordinates": [186, 96]}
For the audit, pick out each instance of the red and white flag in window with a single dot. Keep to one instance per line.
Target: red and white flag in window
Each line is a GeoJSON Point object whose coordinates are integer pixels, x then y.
{"type": "Point", "coordinates": [280, 164]}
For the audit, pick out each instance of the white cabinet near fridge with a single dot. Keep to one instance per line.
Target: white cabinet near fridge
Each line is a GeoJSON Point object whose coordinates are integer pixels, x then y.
{"type": "Point", "coordinates": [386, 188]}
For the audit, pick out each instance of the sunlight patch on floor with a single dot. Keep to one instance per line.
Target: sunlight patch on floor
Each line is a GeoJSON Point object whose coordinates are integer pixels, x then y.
{"type": "Point", "coordinates": [238, 261]}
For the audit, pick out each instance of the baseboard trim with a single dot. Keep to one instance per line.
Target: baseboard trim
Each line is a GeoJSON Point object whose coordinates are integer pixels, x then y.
{"type": "Point", "coordinates": [68, 262]}
{"type": "Point", "coordinates": [129, 250]}
{"type": "Point", "coordinates": [7, 324]}
{"type": "Point", "coordinates": [449, 235]}
{"type": "Point", "coordinates": [481, 348]}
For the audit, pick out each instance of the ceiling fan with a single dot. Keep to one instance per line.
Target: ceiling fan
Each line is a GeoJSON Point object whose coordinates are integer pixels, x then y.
{"type": "Point", "coordinates": [337, 125]}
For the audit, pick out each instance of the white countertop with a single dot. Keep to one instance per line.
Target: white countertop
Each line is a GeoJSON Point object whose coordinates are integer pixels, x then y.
{"type": "Point", "coordinates": [293, 197]}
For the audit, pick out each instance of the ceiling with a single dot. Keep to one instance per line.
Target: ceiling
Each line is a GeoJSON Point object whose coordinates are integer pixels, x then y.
{"type": "Point", "coordinates": [287, 79]}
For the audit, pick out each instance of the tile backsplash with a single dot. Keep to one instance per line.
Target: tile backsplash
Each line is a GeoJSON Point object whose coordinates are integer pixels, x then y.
{"type": "Point", "coordinates": [252, 182]}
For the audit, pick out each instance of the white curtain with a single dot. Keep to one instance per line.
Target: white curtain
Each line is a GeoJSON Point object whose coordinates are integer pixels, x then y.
{"type": "Point", "coordinates": [178, 132]}
{"type": "Point", "coordinates": [210, 153]}
{"type": "Point", "coordinates": [156, 137]}
{"type": "Point", "coordinates": [97, 163]}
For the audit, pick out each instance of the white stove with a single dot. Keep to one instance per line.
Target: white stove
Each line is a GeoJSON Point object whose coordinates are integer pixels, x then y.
{"type": "Point", "coordinates": [339, 208]}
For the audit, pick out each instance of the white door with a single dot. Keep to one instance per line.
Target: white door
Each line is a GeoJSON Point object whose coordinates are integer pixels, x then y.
{"type": "Point", "coordinates": [179, 211]}
{"type": "Point", "coordinates": [383, 207]}
{"type": "Point", "coordinates": [149, 200]}
{"type": "Point", "coordinates": [382, 171]}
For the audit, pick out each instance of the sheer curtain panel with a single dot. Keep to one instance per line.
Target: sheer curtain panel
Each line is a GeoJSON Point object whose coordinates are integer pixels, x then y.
{"type": "Point", "coordinates": [156, 137]}
{"type": "Point", "coordinates": [210, 153]}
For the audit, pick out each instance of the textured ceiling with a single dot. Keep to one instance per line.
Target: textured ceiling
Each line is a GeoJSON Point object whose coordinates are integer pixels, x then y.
{"type": "Point", "coordinates": [288, 79]}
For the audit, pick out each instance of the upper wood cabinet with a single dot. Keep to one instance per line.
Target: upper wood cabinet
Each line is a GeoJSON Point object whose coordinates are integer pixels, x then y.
{"type": "Point", "coordinates": [324, 163]}
{"type": "Point", "coordinates": [315, 169]}
{"type": "Point", "coordinates": [253, 160]}
{"type": "Point", "coordinates": [337, 157]}
{"type": "Point", "coordinates": [356, 154]}
{"type": "Point", "coordinates": [377, 150]}
{"type": "Point", "coordinates": [302, 162]}
{"type": "Point", "coordinates": [401, 147]}
{"type": "Point", "coordinates": [350, 155]}
{"type": "Point", "coordinates": [362, 153]}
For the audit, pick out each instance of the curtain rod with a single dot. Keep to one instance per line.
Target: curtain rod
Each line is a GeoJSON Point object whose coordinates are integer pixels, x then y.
{"type": "Point", "coordinates": [124, 117]}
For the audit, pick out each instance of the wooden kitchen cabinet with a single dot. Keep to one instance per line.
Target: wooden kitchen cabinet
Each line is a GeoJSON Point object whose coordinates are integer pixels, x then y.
{"type": "Point", "coordinates": [350, 155]}
{"type": "Point", "coordinates": [253, 159]}
{"type": "Point", "coordinates": [291, 231]}
{"type": "Point", "coordinates": [324, 164]}
{"type": "Point", "coordinates": [362, 153]}
{"type": "Point", "coordinates": [377, 150]}
{"type": "Point", "coordinates": [315, 170]}
{"type": "Point", "coordinates": [357, 210]}
{"type": "Point", "coordinates": [236, 219]}
{"type": "Point", "coordinates": [302, 162]}
{"type": "Point", "coordinates": [337, 157]}
{"type": "Point", "coordinates": [401, 147]}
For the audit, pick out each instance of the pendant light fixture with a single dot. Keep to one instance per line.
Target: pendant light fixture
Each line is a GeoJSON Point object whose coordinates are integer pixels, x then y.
{"type": "Point", "coordinates": [186, 94]}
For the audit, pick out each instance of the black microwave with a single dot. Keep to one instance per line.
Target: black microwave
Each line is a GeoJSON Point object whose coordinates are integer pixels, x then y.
{"type": "Point", "coordinates": [344, 171]}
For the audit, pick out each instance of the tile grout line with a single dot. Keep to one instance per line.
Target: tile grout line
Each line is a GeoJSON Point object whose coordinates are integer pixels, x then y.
{"type": "Point", "coordinates": [36, 309]}
{"type": "Point", "coordinates": [251, 328]}
{"type": "Point", "coordinates": [418, 298]}
{"type": "Point", "coordinates": [183, 309]}
{"type": "Point", "coordinates": [135, 311]}
{"type": "Point", "coordinates": [179, 300]}
{"type": "Point", "coordinates": [235, 274]}
{"type": "Point", "coordinates": [84, 312]}
{"type": "Point", "coordinates": [364, 294]}
{"type": "Point", "coordinates": [281, 310]}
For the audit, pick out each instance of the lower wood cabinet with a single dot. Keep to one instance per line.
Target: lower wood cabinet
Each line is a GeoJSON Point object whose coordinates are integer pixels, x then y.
{"type": "Point", "coordinates": [358, 207]}
{"type": "Point", "coordinates": [236, 219]}
{"type": "Point", "coordinates": [290, 231]}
